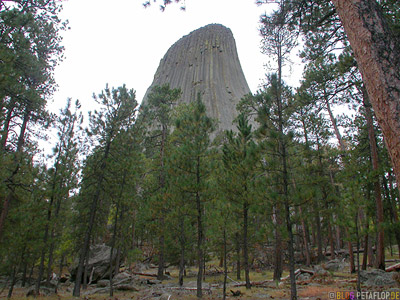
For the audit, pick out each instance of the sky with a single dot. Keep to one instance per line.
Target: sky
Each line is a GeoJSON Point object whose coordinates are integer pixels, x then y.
{"type": "Point", "coordinates": [121, 42]}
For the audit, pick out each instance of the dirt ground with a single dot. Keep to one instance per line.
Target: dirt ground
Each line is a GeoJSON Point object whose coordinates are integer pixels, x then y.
{"type": "Point", "coordinates": [313, 289]}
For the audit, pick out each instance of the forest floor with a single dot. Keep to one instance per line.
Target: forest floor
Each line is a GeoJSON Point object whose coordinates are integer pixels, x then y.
{"type": "Point", "coordinates": [331, 285]}
{"type": "Point", "coordinates": [318, 287]}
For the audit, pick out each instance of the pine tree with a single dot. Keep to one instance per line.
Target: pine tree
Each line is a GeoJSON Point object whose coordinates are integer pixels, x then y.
{"type": "Point", "coordinates": [118, 112]}
{"type": "Point", "coordinates": [157, 113]}
{"type": "Point", "coordinates": [62, 179]}
{"type": "Point", "coordinates": [29, 50]}
{"type": "Point", "coordinates": [193, 128]}
{"type": "Point", "coordinates": [240, 157]}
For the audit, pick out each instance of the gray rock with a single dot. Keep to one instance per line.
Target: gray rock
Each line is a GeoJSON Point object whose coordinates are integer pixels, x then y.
{"type": "Point", "coordinates": [98, 265]}
{"type": "Point", "coordinates": [103, 283]}
{"type": "Point", "coordinates": [333, 265]}
{"type": "Point", "coordinates": [141, 267]}
{"type": "Point", "coordinates": [122, 281]}
{"type": "Point", "coordinates": [206, 62]}
{"type": "Point", "coordinates": [319, 271]}
{"type": "Point", "coordinates": [43, 291]}
{"type": "Point", "coordinates": [122, 275]}
{"type": "Point", "coordinates": [377, 277]}
{"type": "Point", "coordinates": [303, 277]}
{"type": "Point", "coordinates": [97, 291]}
{"type": "Point", "coordinates": [126, 287]}
{"type": "Point", "coordinates": [165, 296]}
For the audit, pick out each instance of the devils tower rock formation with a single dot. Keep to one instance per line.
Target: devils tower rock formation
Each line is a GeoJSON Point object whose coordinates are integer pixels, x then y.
{"type": "Point", "coordinates": [205, 61]}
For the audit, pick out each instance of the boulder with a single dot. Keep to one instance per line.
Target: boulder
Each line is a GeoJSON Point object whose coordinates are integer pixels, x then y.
{"type": "Point", "coordinates": [98, 265]}
{"type": "Point", "coordinates": [320, 271]}
{"type": "Point", "coordinates": [126, 287]}
{"type": "Point", "coordinates": [97, 291]}
{"type": "Point", "coordinates": [332, 265]}
{"type": "Point", "coordinates": [103, 283]}
{"type": "Point", "coordinates": [43, 291]}
{"type": "Point", "coordinates": [377, 277]}
{"type": "Point", "coordinates": [303, 277]}
{"type": "Point", "coordinates": [121, 276]}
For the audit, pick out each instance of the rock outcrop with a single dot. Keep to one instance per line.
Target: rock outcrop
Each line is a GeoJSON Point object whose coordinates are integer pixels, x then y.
{"type": "Point", "coordinates": [99, 263]}
{"type": "Point", "coordinates": [205, 62]}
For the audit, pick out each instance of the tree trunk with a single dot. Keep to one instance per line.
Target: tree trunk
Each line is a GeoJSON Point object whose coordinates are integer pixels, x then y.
{"type": "Point", "coordinates": [371, 256]}
{"type": "Point", "coordinates": [278, 267]}
{"type": "Point", "coordinates": [10, 194]}
{"type": "Point", "coordinates": [182, 258]}
{"type": "Point", "coordinates": [245, 246]}
{"type": "Point", "coordinates": [393, 210]}
{"type": "Point", "coordinates": [306, 244]}
{"type": "Point", "coordinates": [225, 266]}
{"type": "Point", "coordinates": [31, 272]}
{"type": "Point", "coordinates": [45, 241]}
{"type": "Point", "coordinates": [6, 127]}
{"type": "Point", "coordinates": [13, 282]}
{"type": "Point", "coordinates": [88, 234]}
{"type": "Point", "coordinates": [365, 256]}
{"type": "Point", "coordinates": [377, 51]}
{"type": "Point", "coordinates": [24, 274]}
{"type": "Point", "coordinates": [380, 254]}
{"type": "Point", "coordinates": [334, 124]}
{"type": "Point", "coordinates": [237, 256]}
{"type": "Point", "coordinates": [199, 233]}
{"type": "Point", "coordinates": [364, 220]}
{"type": "Point", "coordinates": [60, 271]}
{"type": "Point", "coordinates": [317, 218]}
{"type": "Point", "coordinates": [161, 242]}
{"type": "Point", "coordinates": [199, 246]}
{"type": "Point", "coordinates": [351, 254]}
{"type": "Point", "coordinates": [161, 263]}
{"type": "Point", "coordinates": [113, 241]}
{"type": "Point", "coordinates": [358, 255]}
{"type": "Point", "coordinates": [52, 241]}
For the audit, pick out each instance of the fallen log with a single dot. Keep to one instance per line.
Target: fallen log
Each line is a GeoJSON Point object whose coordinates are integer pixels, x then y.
{"type": "Point", "coordinates": [299, 271]}
{"type": "Point", "coordinates": [186, 288]}
{"type": "Point", "coordinates": [144, 274]}
{"type": "Point", "coordinates": [232, 280]}
{"type": "Point", "coordinates": [347, 280]}
{"type": "Point", "coordinates": [395, 267]}
{"type": "Point", "coordinates": [254, 283]}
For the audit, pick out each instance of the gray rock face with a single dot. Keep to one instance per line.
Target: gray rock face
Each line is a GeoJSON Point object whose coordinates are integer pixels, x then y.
{"type": "Point", "coordinates": [205, 62]}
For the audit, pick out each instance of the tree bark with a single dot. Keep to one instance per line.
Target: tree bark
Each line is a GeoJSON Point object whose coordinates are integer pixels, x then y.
{"type": "Point", "coordinates": [377, 51]}
{"type": "Point", "coordinates": [199, 233]}
{"type": "Point", "coordinates": [161, 263]}
{"type": "Point", "coordinates": [13, 282]}
{"type": "Point", "coordinates": [380, 254]}
{"type": "Point", "coordinates": [182, 258]}
{"type": "Point", "coordinates": [245, 246]}
{"type": "Point", "coordinates": [225, 266]}
{"type": "Point", "coordinates": [10, 195]}
{"type": "Point", "coordinates": [305, 239]}
{"type": "Point", "coordinates": [278, 246]}
{"type": "Point", "coordinates": [351, 254]}
{"type": "Point", "coordinates": [237, 256]}
{"type": "Point", "coordinates": [317, 218]}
